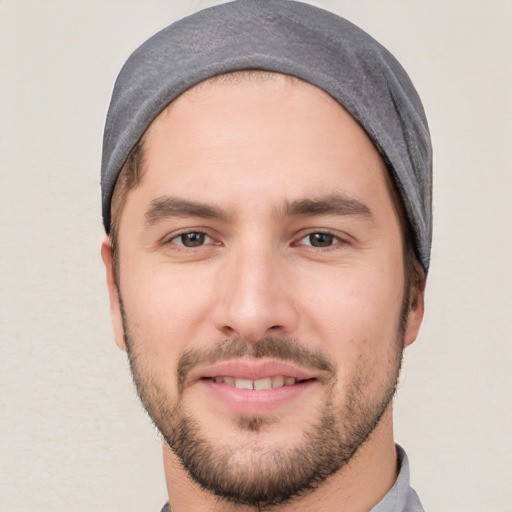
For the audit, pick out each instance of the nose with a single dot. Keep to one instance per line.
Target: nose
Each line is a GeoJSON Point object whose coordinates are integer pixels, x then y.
{"type": "Point", "coordinates": [255, 299]}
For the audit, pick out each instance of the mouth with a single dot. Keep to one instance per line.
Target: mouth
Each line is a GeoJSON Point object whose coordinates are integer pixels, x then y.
{"type": "Point", "coordinates": [254, 387]}
{"type": "Point", "coordinates": [256, 374]}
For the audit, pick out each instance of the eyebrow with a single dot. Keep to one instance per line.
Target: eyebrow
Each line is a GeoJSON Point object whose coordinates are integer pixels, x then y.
{"type": "Point", "coordinates": [335, 204]}
{"type": "Point", "coordinates": [167, 206]}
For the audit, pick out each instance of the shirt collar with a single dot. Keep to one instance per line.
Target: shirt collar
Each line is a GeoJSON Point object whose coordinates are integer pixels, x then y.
{"type": "Point", "coordinates": [401, 497]}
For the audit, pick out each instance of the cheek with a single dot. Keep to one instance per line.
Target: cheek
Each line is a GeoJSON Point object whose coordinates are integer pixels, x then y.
{"type": "Point", "coordinates": [354, 311]}
{"type": "Point", "coordinates": [357, 323]}
{"type": "Point", "coordinates": [165, 309]}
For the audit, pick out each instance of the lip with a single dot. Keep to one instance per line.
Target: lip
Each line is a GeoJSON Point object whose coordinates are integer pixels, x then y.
{"type": "Point", "coordinates": [252, 369]}
{"type": "Point", "coordinates": [254, 402]}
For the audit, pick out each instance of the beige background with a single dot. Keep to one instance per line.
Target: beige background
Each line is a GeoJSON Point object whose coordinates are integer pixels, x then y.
{"type": "Point", "coordinates": [72, 434]}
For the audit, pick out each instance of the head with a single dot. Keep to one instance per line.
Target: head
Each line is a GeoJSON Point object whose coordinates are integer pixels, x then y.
{"type": "Point", "coordinates": [264, 279]}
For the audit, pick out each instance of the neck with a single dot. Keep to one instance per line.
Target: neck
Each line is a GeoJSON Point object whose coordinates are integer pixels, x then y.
{"type": "Point", "coordinates": [357, 487]}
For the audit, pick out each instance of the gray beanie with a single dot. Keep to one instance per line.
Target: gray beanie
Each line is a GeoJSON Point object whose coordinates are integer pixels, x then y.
{"type": "Point", "coordinates": [287, 37]}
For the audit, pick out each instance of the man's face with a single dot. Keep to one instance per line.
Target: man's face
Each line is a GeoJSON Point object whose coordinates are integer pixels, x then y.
{"type": "Point", "coordinates": [262, 250]}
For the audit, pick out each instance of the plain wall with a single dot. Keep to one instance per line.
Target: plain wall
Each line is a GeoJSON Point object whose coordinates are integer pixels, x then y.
{"type": "Point", "coordinates": [72, 433]}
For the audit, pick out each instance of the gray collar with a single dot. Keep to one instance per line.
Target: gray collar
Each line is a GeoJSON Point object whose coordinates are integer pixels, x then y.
{"type": "Point", "coordinates": [401, 497]}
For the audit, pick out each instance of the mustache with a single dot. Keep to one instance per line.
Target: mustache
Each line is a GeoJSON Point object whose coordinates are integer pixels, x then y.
{"type": "Point", "coordinates": [270, 348]}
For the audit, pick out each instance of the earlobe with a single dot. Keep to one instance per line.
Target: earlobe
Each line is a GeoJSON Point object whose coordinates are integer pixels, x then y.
{"type": "Point", "coordinates": [417, 309]}
{"type": "Point", "coordinates": [113, 291]}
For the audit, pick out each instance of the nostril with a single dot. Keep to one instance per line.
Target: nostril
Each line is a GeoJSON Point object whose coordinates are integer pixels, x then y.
{"type": "Point", "coordinates": [228, 330]}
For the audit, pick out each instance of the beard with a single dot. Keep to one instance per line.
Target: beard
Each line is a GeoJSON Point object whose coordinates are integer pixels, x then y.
{"type": "Point", "coordinates": [252, 474]}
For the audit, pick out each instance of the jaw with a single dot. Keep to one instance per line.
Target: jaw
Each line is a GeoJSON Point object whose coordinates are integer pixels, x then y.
{"type": "Point", "coordinates": [356, 487]}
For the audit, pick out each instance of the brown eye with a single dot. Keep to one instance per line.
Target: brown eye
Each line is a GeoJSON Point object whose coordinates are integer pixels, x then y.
{"type": "Point", "coordinates": [192, 239]}
{"type": "Point", "coordinates": [320, 239]}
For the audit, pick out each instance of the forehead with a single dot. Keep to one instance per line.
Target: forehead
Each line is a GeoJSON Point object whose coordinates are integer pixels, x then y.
{"type": "Point", "coordinates": [258, 115]}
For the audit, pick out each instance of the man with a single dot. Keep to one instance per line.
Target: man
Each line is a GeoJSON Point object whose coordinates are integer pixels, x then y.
{"type": "Point", "coordinates": [267, 197]}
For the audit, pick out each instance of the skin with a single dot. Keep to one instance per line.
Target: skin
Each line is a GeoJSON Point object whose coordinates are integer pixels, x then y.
{"type": "Point", "coordinates": [248, 149]}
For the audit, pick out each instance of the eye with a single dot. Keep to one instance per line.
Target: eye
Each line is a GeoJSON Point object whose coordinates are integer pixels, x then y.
{"type": "Point", "coordinates": [320, 240]}
{"type": "Point", "coordinates": [192, 239]}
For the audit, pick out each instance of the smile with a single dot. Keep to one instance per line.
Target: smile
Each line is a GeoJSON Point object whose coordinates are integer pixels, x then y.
{"type": "Point", "coordinates": [248, 386]}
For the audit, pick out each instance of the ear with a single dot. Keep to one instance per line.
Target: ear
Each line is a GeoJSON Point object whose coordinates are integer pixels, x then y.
{"type": "Point", "coordinates": [113, 291]}
{"type": "Point", "coordinates": [415, 315]}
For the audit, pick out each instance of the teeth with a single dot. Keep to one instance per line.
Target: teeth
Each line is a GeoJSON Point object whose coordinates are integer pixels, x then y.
{"type": "Point", "coordinates": [278, 382]}
{"type": "Point", "coordinates": [244, 384]}
{"type": "Point", "coordinates": [266, 383]}
{"type": "Point", "coordinates": [263, 383]}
